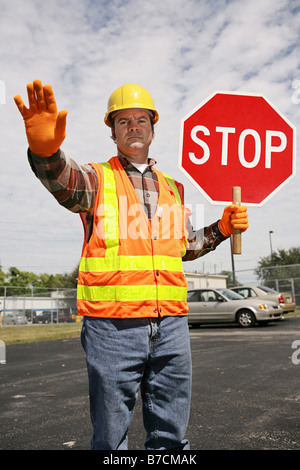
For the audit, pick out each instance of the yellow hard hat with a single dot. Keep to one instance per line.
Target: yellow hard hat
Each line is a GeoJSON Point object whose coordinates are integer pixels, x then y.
{"type": "Point", "coordinates": [130, 96]}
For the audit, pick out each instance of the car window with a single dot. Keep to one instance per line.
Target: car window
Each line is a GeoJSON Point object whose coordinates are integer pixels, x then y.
{"type": "Point", "coordinates": [193, 296]}
{"type": "Point", "coordinates": [247, 292]}
{"type": "Point", "coordinates": [229, 294]}
{"type": "Point", "coordinates": [268, 290]}
{"type": "Point", "coordinates": [243, 291]}
{"type": "Point", "coordinates": [252, 293]}
{"type": "Point", "coordinates": [208, 296]}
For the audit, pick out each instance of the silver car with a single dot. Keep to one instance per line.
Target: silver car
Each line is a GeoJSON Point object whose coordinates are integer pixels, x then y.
{"type": "Point", "coordinates": [284, 299]}
{"type": "Point", "coordinates": [226, 306]}
{"type": "Point", "coordinates": [14, 319]}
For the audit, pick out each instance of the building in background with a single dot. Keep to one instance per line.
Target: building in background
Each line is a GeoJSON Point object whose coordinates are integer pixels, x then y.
{"type": "Point", "coordinates": [201, 280]}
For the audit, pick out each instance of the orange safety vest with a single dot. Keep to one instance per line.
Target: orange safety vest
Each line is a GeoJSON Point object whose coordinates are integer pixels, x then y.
{"type": "Point", "coordinates": [131, 267]}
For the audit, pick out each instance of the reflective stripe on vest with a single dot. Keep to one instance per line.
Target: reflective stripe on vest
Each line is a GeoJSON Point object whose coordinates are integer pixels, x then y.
{"type": "Point", "coordinates": [131, 293]}
{"type": "Point", "coordinates": [174, 188]}
{"type": "Point", "coordinates": [130, 263]}
{"type": "Point", "coordinates": [111, 211]}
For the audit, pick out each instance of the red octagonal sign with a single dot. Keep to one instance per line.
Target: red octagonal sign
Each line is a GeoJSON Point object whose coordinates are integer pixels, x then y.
{"type": "Point", "coordinates": [234, 139]}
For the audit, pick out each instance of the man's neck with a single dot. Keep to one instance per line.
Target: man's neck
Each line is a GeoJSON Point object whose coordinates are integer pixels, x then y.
{"type": "Point", "coordinates": [134, 158]}
{"type": "Point", "coordinates": [124, 161]}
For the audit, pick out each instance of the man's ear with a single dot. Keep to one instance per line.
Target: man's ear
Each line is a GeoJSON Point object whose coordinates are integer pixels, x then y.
{"type": "Point", "coordinates": [113, 135]}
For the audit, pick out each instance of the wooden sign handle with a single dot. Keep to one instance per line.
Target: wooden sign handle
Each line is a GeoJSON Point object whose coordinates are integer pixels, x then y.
{"type": "Point", "coordinates": [237, 234]}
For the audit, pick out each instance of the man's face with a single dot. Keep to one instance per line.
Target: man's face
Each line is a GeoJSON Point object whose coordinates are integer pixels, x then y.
{"type": "Point", "coordinates": [134, 134]}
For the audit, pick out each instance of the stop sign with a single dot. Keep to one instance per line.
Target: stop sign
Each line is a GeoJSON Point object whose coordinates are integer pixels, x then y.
{"type": "Point", "coordinates": [235, 139]}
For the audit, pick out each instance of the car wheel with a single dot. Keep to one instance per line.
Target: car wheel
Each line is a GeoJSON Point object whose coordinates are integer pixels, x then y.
{"type": "Point", "coordinates": [245, 318]}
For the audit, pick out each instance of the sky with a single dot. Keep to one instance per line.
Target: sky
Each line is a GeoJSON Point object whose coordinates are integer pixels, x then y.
{"type": "Point", "coordinates": [181, 52]}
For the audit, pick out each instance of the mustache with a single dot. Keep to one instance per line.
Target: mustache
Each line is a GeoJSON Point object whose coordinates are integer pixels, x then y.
{"type": "Point", "coordinates": [133, 134]}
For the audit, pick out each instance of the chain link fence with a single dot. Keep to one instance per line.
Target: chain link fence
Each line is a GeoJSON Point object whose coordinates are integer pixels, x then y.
{"type": "Point", "coordinates": [286, 285]}
{"type": "Point", "coordinates": [284, 278]}
{"type": "Point", "coordinates": [30, 305]}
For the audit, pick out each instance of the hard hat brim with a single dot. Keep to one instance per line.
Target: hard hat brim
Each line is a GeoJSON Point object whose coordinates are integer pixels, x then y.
{"type": "Point", "coordinates": [109, 116]}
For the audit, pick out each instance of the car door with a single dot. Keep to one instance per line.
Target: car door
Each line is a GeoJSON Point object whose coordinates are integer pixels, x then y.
{"type": "Point", "coordinates": [214, 307]}
{"type": "Point", "coordinates": [199, 310]}
{"type": "Point", "coordinates": [193, 305]}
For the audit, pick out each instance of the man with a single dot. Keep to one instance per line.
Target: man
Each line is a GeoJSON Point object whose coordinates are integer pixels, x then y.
{"type": "Point", "coordinates": [131, 284]}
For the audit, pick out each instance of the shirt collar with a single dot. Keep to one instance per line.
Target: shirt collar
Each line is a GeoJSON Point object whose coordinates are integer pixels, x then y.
{"type": "Point", "coordinates": [125, 162]}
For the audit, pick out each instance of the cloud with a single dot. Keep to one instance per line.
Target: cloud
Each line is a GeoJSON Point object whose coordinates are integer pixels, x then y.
{"type": "Point", "coordinates": [182, 51]}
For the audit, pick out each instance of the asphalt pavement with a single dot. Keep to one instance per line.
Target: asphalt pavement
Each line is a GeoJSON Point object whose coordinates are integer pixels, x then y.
{"type": "Point", "coordinates": [246, 393]}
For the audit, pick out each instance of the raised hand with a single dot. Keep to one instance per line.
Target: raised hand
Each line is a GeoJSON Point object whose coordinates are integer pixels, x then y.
{"type": "Point", "coordinates": [45, 128]}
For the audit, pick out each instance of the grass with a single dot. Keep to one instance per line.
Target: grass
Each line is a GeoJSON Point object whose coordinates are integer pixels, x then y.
{"type": "Point", "coordinates": [32, 333]}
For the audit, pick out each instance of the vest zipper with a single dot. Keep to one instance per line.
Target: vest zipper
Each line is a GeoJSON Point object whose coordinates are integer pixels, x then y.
{"type": "Point", "coordinates": [156, 274]}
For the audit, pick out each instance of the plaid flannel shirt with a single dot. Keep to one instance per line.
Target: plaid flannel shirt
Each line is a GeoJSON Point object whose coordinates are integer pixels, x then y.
{"type": "Point", "coordinates": [75, 186]}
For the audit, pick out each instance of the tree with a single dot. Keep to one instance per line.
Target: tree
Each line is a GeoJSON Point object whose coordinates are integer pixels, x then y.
{"type": "Point", "coordinates": [70, 279]}
{"type": "Point", "coordinates": [15, 279]}
{"type": "Point", "coordinates": [19, 278]}
{"type": "Point", "coordinates": [229, 281]}
{"type": "Point", "coordinates": [284, 266]}
{"type": "Point", "coordinates": [2, 276]}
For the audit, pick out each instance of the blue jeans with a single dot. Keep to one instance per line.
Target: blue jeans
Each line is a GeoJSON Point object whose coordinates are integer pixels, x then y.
{"type": "Point", "coordinates": [125, 355]}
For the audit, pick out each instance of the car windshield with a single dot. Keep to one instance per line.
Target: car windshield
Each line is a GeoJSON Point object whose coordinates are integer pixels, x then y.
{"type": "Point", "coordinates": [230, 294]}
{"type": "Point", "coordinates": [267, 289]}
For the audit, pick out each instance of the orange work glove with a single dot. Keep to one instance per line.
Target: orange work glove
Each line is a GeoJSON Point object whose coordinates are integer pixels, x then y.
{"type": "Point", "coordinates": [45, 129]}
{"type": "Point", "coordinates": [234, 217]}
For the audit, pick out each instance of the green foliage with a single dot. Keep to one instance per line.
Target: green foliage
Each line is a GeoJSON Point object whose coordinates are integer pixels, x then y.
{"type": "Point", "coordinates": [281, 271]}
{"type": "Point", "coordinates": [282, 264]}
{"type": "Point", "coordinates": [229, 281]}
{"type": "Point", "coordinates": [16, 278]}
